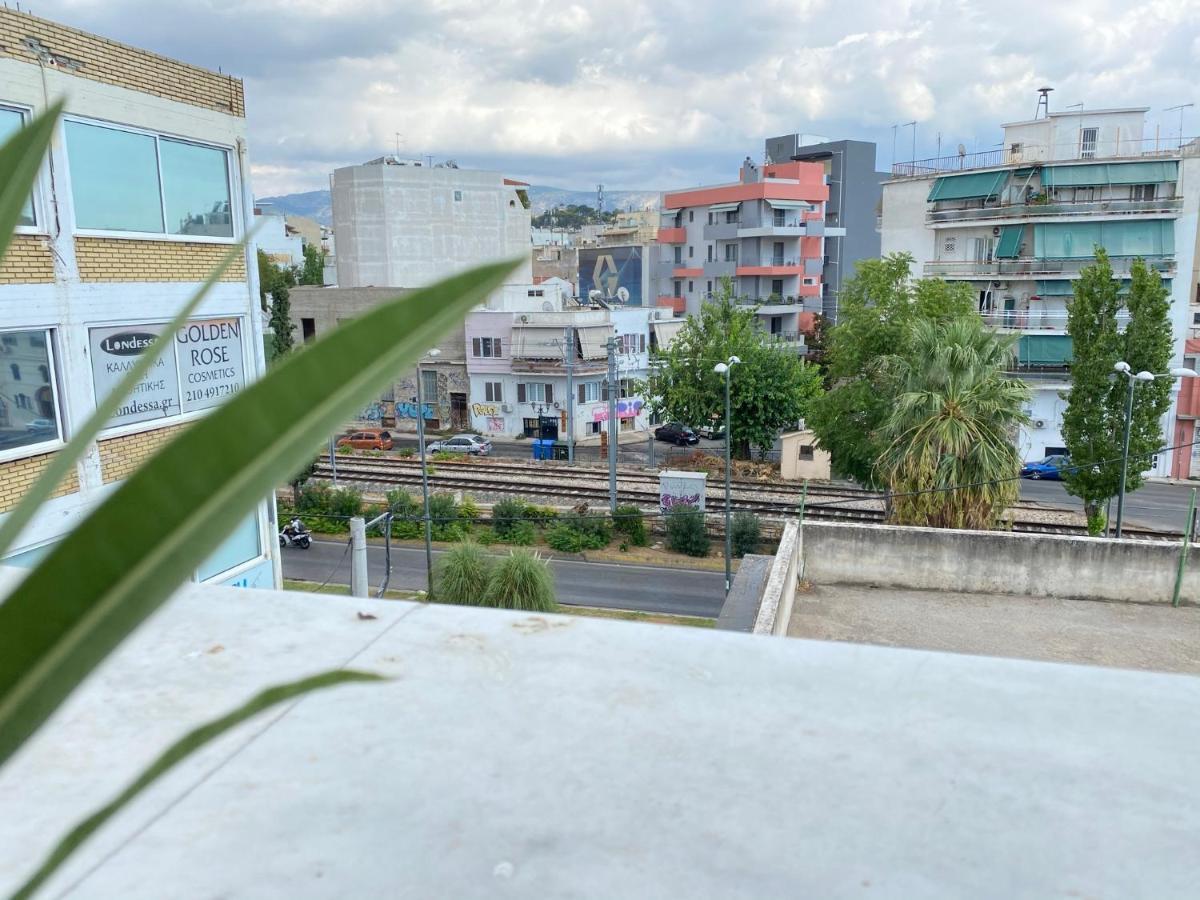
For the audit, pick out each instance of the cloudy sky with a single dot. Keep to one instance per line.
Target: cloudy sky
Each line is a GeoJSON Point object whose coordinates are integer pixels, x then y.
{"type": "Point", "coordinates": [651, 94]}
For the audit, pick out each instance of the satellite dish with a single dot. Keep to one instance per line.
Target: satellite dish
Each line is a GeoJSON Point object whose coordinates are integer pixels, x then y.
{"type": "Point", "coordinates": [547, 306]}
{"type": "Point", "coordinates": [595, 295]}
{"type": "Point", "coordinates": [962, 151]}
{"type": "Point", "coordinates": [623, 294]}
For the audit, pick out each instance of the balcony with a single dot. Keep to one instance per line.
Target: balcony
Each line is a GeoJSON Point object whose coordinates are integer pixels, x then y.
{"type": "Point", "coordinates": [785, 230]}
{"type": "Point", "coordinates": [675, 304]}
{"type": "Point", "coordinates": [1036, 320]}
{"type": "Point", "coordinates": [1030, 266]}
{"type": "Point", "coordinates": [682, 271]}
{"type": "Point", "coordinates": [722, 231]}
{"type": "Point", "coordinates": [1038, 210]}
{"type": "Point", "coordinates": [787, 340]}
{"type": "Point", "coordinates": [672, 235]}
{"type": "Point", "coordinates": [1125, 148]}
{"type": "Point", "coordinates": [771, 265]}
{"type": "Point", "coordinates": [719, 268]}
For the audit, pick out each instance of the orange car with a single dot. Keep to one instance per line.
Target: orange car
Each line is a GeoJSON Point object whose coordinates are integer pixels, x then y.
{"type": "Point", "coordinates": [367, 439]}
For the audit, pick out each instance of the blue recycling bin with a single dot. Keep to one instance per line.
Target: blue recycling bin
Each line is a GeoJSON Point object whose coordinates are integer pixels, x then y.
{"type": "Point", "coordinates": [541, 448]}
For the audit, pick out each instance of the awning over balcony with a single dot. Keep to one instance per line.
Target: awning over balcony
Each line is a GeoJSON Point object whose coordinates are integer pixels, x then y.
{"type": "Point", "coordinates": [665, 332]}
{"type": "Point", "coordinates": [1044, 350]}
{"type": "Point", "coordinates": [1065, 288]}
{"type": "Point", "coordinates": [975, 185]}
{"type": "Point", "coordinates": [724, 207]}
{"type": "Point", "coordinates": [1148, 172]}
{"type": "Point", "coordinates": [1142, 237]}
{"type": "Point", "coordinates": [1009, 246]}
{"type": "Point", "coordinates": [537, 342]}
{"type": "Point", "coordinates": [788, 204]}
{"type": "Point", "coordinates": [593, 340]}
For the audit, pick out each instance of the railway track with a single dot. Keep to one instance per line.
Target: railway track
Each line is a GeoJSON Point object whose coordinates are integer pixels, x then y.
{"type": "Point", "coordinates": [550, 483]}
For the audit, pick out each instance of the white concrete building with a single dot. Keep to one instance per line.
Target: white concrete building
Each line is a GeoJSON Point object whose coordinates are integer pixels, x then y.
{"type": "Point", "coordinates": [149, 191]}
{"type": "Point", "coordinates": [1018, 224]}
{"type": "Point", "coordinates": [400, 223]}
{"type": "Point", "coordinates": [282, 243]}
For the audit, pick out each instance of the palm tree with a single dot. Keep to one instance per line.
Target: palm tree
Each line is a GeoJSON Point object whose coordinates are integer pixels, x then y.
{"type": "Point", "coordinates": [953, 426]}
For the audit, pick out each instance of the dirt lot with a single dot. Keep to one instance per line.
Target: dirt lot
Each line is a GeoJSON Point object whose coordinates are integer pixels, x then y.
{"type": "Point", "coordinates": [1121, 635]}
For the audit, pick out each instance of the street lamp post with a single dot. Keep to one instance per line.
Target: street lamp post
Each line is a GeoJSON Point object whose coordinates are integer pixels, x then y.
{"type": "Point", "coordinates": [1123, 368]}
{"type": "Point", "coordinates": [725, 369]}
{"type": "Point", "coordinates": [435, 352]}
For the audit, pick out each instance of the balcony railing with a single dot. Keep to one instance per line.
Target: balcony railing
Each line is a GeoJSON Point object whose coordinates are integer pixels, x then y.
{"type": "Point", "coordinates": [1035, 319]}
{"type": "Point", "coordinates": [1037, 266]}
{"type": "Point", "coordinates": [787, 340]}
{"type": "Point", "coordinates": [1031, 153]}
{"type": "Point", "coordinates": [1090, 208]}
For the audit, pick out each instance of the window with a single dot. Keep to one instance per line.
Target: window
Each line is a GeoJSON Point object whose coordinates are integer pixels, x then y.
{"type": "Point", "coordinates": [535, 392]}
{"type": "Point", "coordinates": [691, 286]}
{"type": "Point", "coordinates": [29, 415]}
{"type": "Point", "coordinates": [1087, 142]}
{"type": "Point", "coordinates": [708, 287]}
{"type": "Point", "coordinates": [984, 247]}
{"type": "Point", "coordinates": [12, 121]}
{"type": "Point", "coordinates": [493, 391]}
{"type": "Point", "coordinates": [308, 329]}
{"type": "Point", "coordinates": [429, 385]}
{"type": "Point", "coordinates": [1014, 150]}
{"type": "Point", "coordinates": [678, 255]}
{"type": "Point", "coordinates": [486, 348]}
{"type": "Point", "coordinates": [458, 197]}
{"type": "Point", "coordinates": [240, 547]}
{"type": "Point", "coordinates": [777, 217]}
{"type": "Point", "coordinates": [691, 252]}
{"type": "Point", "coordinates": [777, 287]}
{"type": "Point", "coordinates": [731, 252]}
{"type": "Point", "coordinates": [806, 452]}
{"type": "Point", "coordinates": [589, 392]}
{"type": "Point", "coordinates": [710, 218]}
{"type": "Point", "coordinates": [731, 217]}
{"type": "Point", "coordinates": [536, 292]}
{"type": "Point", "coordinates": [691, 215]}
{"type": "Point", "coordinates": [136, 182]}
{"type": "Point", "coordinates": [710, 252]}
{"type": "Point", "coordinates": [678, 288]}
{"type": "Point", "coordinates": [1144, 191]}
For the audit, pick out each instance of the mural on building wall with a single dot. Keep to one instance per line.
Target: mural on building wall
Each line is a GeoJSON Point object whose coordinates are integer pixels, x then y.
{"type": "Point", "coordinates": [406, 410]}
{"type": "Point", "coordinates": [626, 409]}
{"type": "Point", "coordinates": [608, 269]}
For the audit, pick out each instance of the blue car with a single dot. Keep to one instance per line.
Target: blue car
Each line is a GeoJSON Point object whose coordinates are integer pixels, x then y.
{"type": "Point", "coordinates": [1049, 468]}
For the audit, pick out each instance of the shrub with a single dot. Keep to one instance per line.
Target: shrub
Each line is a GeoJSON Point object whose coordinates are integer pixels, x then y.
{"type": "Point", "coordinates": [629, 522]}
{"type": "Point", "coordinates": [406, 515]}
{"type": "Point", "coordinates": [407, 453]}
{"type": "Point", "coordinates": [443, 455]}
{"type": "Point", "coordinates": [595, 529]}
{"type": "Point", "coordinates": [685, 530]}
{"type": "Point", "coordinates": [523, 534]}
{"type": "Point", "coordinates": [468, 510]}
{"type": "Point", "coordinates": [443, 515]}
{"type": "Point", "coordinates": [345, 502]}
{"type": "Point", "coordinates": [461, 575]}
{"type": "Point", "coordinates": [540, 515]}
{"type": "Point", "coordinates": [345, 450]}
{"type": "Point", "coordinates": [313, 498]}
{"type": "Point", "coordinates": [505, 514]}
{"type": "Point", "coordinates": [564, 539]}
{"type": "Point", "coordinates": [485, 536]}
{"type": "Point", "coordinates": [522, 580]}
{"type": "Point", "coordinates": [744, 533]}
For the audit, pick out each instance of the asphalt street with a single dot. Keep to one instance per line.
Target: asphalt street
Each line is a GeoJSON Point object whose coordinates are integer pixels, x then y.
{"type": "Point", "coordinates": [673, 591]}
{"type": "Point", "coordinates": [1155, 504]}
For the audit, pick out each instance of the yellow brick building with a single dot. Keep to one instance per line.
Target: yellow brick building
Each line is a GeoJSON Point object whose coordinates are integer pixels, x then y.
{"type": "Point", "coordinates": [144, 191]}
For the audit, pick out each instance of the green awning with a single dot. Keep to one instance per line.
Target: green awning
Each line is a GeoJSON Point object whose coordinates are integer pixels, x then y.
{"type": "Point", "coordinates": [724, 207]}
{"type": "Point", "coordinates": [967, 187]}
{"type": "Point", "coordinates": [1009, 246]}
{"type": "Point", "coordinates": [785, 204]}
{"type": "Point", "coordinates": [1149, 172]}
{"type": "Point", "coordinates": [1064, 288]}
{"type": "Point", "coordinates": [1044, 350]}
{"type": "Point", "coordinates": [1067, 240]}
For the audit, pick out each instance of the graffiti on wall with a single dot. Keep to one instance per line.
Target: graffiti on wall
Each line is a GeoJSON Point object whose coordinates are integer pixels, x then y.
{"type": "Point", "coordinates": [484, 409]}
{"type": "Point", "coordinates": [409, 411]}
{"type": "Point", "coordinates": [495, 424]}
{"type": "Point", "coordinates": [626, 409]}
{"type": "Point", "coordinates": [372, 413]}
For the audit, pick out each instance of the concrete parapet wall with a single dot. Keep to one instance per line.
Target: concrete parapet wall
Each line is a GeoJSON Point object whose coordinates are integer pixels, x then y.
{"type": "Point", "coordinates": [995, 562]}
{"type": "Point", "coordinates": [775, 610]}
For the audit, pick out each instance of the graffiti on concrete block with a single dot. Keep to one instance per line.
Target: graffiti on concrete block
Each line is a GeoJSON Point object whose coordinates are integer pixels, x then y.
{"type": "Point", "coordinates": [409, 411]}
{"type": "Point", "coordinates": [372, 413]}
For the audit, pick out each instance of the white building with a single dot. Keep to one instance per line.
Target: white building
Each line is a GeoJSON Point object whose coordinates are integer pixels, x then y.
{"type": "Point", "coordinates": [282, 243]}
{"type": "Point", "coordinates": [149, 191]}
{"type": "Point", "coordinates": [1018, 224]}
{"type": "Point", "coordinates": [517, 363]}
{"type": "Point", "coordinates": [401, 223]}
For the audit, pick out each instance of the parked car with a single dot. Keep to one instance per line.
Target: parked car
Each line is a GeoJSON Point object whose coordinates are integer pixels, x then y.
{"type": "Point", "coordinates": [475, 444]}
{"type": "Point", "coordinates": [674, 433]}
{"type": "Point", "coordinates": [1049, 468]}
{"type": "Point", "coordinates": [367, 439]}
{"type": "Point", "coordinates": [40, 426]}
{"type": "Point", "coordinates": [713, 431]}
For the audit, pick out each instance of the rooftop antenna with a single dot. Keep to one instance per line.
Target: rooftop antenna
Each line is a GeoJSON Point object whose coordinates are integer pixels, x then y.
{"type": "Point", "coordinates": [599, 198]}
{"type": "Point", "coordinates": [1181, 107]}
{"type": "Point", "coordinates": [1043, 107]}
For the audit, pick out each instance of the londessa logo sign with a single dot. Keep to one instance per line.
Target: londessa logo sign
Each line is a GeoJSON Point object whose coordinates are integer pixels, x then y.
{"type": "Point", "coordinates": [128, 343]}
{"type": "Point", "coordinates": [202, 366]}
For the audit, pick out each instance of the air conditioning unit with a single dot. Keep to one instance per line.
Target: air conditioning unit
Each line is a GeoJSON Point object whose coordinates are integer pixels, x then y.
{"type": "Point", "coordinates": [524, 318]}
{"type": "Point", "coordinates": [557, 405]}
{"type": "Point", "coordinates": [506, 407]}
{"type": "Point", "coordinates": [1039, 423]}
{"type": "Point", "coordinates": [995, 231]}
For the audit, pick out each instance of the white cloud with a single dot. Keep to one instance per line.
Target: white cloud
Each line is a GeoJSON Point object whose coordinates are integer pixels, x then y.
{"type": "Point", "coordinates": [650, 93]}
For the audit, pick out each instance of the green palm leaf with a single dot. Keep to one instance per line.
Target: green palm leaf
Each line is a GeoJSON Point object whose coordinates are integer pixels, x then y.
{"type": "Point", "coordinates": [20, 158]}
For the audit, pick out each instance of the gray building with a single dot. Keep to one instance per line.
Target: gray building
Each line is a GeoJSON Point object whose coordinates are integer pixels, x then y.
{"type": "Point", "coordinates": [855, 195]}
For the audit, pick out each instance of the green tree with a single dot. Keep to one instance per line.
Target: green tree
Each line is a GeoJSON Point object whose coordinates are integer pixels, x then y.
{"type": "Point", "coordinates": [1094, 420]}
{"type": "Point", "coordinates": [313, 270]}
{"type": "Point", "coordinates": [877, 310]}
{"type": "Point", "coordinates": [771, 389]}
{"type": "Point", "coordinates": [281, 321]}
{"type": "Point", "coordinates": [686, 531]}
{"type": "Point", "coordinates": [952, 425]}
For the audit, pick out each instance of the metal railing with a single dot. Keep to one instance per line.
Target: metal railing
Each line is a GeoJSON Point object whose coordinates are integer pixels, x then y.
{"type": "Point", "coordinates": [1034, 319]}
{"type": "Point", "coordinates": [1091, 207]}
{"type": "Point", "coordinates": [1038, 266]}
{"type": "Point", "coordinates": [1059, 153]}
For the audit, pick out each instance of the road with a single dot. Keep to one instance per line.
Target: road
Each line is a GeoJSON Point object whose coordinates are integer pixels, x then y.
{"type": "Point", "coordinates": [680, 592]}
{"type": "Point", "coordinates": [1155, 504]}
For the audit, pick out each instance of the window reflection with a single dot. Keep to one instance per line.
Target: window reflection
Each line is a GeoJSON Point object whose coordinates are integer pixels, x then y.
{"type": "Point", "coordinates": [196, 183]}
{"type": "Point", "coordinates": [28, 407]}
{"type": "Point", "coordinates": [11, 122]}
{"type": "Point", "coordinates": [114, 179]}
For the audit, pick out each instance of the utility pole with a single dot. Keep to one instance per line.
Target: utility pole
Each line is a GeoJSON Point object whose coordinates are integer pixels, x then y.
{"type": "Point", "coordinates": [569, 359]}
{"type": "Point", "coordinates": [333, 461]}
{"type": "Point", "coordinates": [358, 556]}
{"type": "Point", "coordinates": [425, 480]}
{"type": "Point", "coordinates": [613, 389]}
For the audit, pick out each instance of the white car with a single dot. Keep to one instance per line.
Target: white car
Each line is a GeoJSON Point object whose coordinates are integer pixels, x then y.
{"type": "Point", "coordinates": [476, 444]}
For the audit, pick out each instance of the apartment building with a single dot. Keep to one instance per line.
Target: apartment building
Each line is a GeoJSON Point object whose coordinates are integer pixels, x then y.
{"type": "Point", "coordinates": [518, 359]}
{"type": "Point", "coordinates": [766, 232]}
{"type": "Point", "coordinates": [144, 191]}
{"type": "Point", "coordinates": [1019, 223]}
{"type": "Point", "coordinates": [401, 223]}
{"type": "Point", "coordinates": [855, 195]}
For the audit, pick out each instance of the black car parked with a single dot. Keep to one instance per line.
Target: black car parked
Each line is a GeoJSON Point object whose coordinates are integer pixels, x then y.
{"type": "Point", "coordinates": [675, 433]}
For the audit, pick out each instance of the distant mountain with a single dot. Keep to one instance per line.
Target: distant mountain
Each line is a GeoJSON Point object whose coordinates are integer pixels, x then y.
{"type": "Point", "coordinates": [316, 204]}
